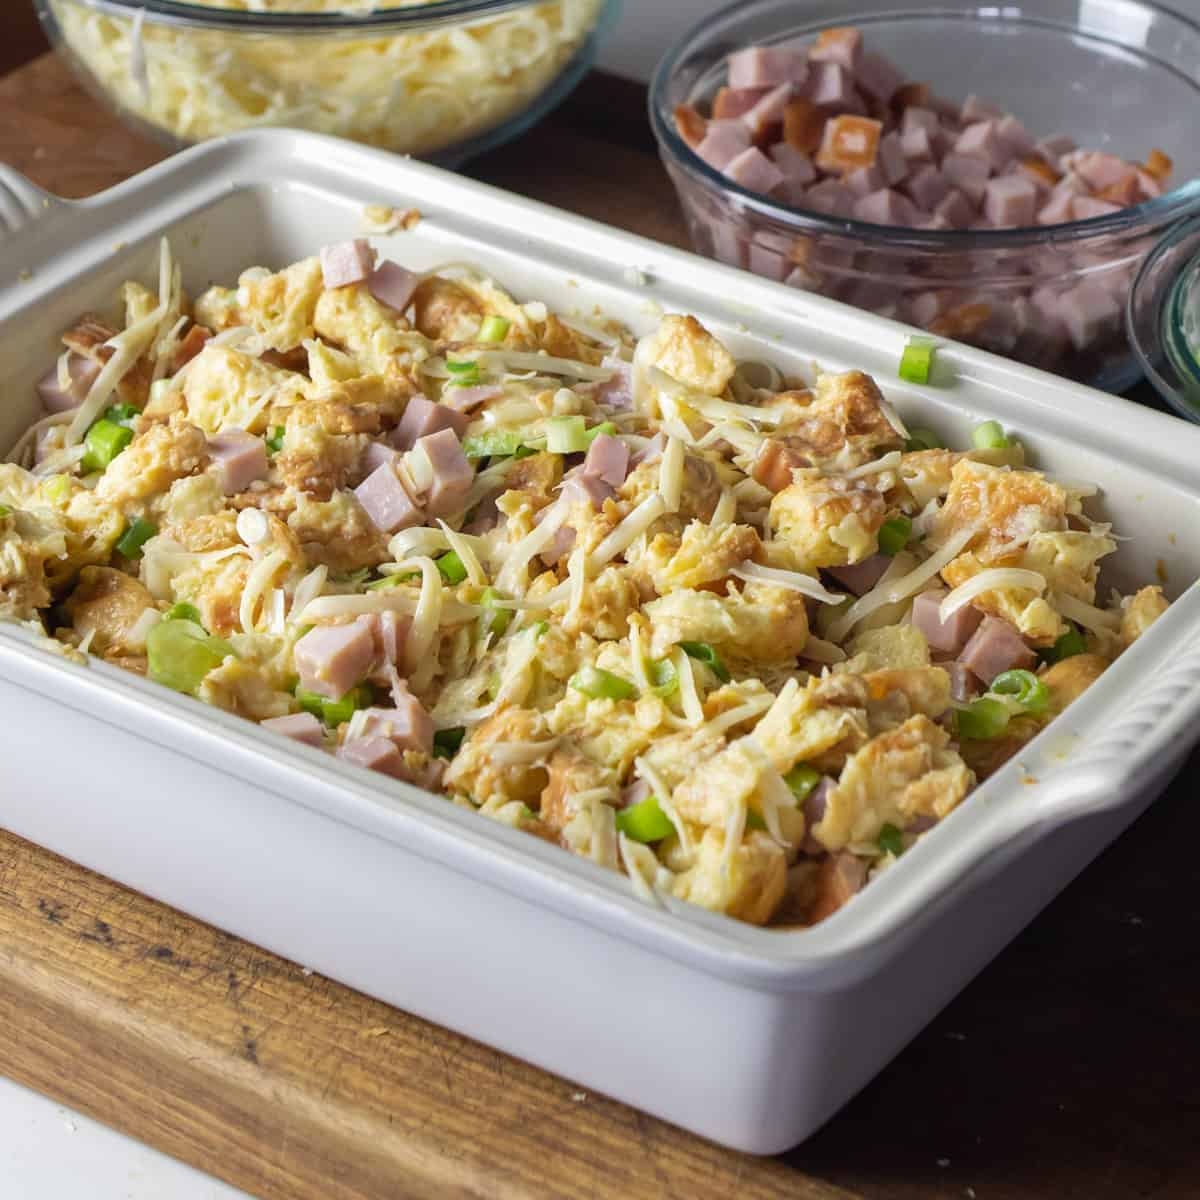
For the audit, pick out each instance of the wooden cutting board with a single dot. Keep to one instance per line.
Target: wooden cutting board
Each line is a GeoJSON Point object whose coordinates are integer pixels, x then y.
{"type": "Point", "coordinates": [1068, 1069]}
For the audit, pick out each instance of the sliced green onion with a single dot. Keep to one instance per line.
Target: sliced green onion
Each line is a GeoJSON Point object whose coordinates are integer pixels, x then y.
{"type": "Point", "coordinates": [334, 712]}
{"type": "Point", "coordinates": [451, 567]}
{"type": "Point", "coordinates": [990, 436]}
{"type": "Point", "coordinates": [183, 611]}
{"type": "Point", "coordinates": [539, 628]}
{"type": "Point", "coordinates": [5, 511]}
{"type": "Point", "coordinates": [600, 684]}
{"type": "Point", "coordinates": [893, 535]}
{"type": "Point", "coordinates": [57, 488]}
{"type": "Point", "coordinates": [754, 820]}
{"type": "Point", "coordinates": [494, 329]}
{"type": "Point", "coordinates": [917, 359]}
{"type": "Point", "coordinates": [463, 373]}
{"type": "Point", "coordinates": [1070, 644]}
{"type": "Point", "coordinates": [645, 822]}
{"type": "Point", "coordinates": [275, 441]}
{"type": "Point", "coordinates": [447, 741]}
{"type": "Point", "coordinates": [181, 653]}
{"type": "Point", "coordinates": [983, 719]}
{"type": "Point", "coordinates": [390, 581]}
{"type": "Point", "coordinates": [802, 779]}
{"type": "Point", "coordinates": [891, 840]}
{"type": "Point", "coordinates": [121, 414]}
{"type": "Point", "coordinates": [596, 430]}
{"type": "Point", "coordinates": [500, 443]}
{"type": "Point", "coordinates": [1025, 688]}
{"type": "Point", "coordinates": [566, 435]}
{"type": "Point", "coordinates": [703, 652]}
{"type": "Point", "coordinates": [664, 680]}
{"type": "Point", "coordinates": [496, 620]}
{"type": "Point", "coordinates": [104, 441]}
{"type": "Point", "coordinates": [137, 533]}
{"type": "Point", "coordinates": [923, 439]}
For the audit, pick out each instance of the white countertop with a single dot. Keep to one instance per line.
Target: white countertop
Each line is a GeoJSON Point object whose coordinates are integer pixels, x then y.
{"type": "Point", "coordinates": [48, 1152]}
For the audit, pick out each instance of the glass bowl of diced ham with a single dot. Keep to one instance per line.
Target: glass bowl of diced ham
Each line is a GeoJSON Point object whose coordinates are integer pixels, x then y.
{"type": "Point", "coordinates": [992, 175]}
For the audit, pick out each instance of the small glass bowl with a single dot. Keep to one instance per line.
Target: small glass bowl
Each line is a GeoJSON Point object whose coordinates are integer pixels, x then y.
{"type": "Point", "coordinates": [444, 80]}
{"type": "Point", "coordinates": [1116, 75]}
{"type": "Point", "coordinates": [1163, 318]}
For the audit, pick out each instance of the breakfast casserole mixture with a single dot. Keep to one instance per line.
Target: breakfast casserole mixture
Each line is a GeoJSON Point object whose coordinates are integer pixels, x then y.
{"type": "Point", "coordinates": [743, 637]}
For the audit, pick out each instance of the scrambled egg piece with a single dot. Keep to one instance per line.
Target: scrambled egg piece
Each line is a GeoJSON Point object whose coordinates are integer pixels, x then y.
{"type": "Point", "coordinates": [339, 376]}
{"type": "Point", "coordinates": [214, 586]}
{"type": "Point", "coordinates": [241, 688]}
{"type": "Point", "coordinates": [926, 475]}
{"type": "Point", "coordinates": [682, 348]}
{"type": "Point", "coordinates": [571, 773]}
{"type": "Point", "coordinates": [323, 444]}
{"type": "Point", "coordinates": [445, 311]}
{"type": "Point", "coordinates": [701, 492]}
{"type": "Point", "coordinates": [225, 389]}
{"type": "Point", "coordinates": [904, 773]}
{"type": "Point", "coordinates": [825, 522]}
{"type": "Point", "coordinates": [1140, 612]}
{"type": "Point", "coordinates": [107, 604]}
{"type": "Point", "coordinates": [762, 623]}
{"type": "Point", "coordinates": [336, 532]}
{"type": "Point", "coordinates": [610, 732]}
{"type": "Point", "coordinates": [812, 723]}
{"type": "Point", "coordinates": [700, 557]}
{"type": "Point", "coordinates": [894, 646]}
{"type": "Point", "coordinates": [281, 307]}
{"type": "Point", "coordinates": [608, 602]}
{"type": "Point", "coordinates": [1069, 678]}
{"type": "Point", "coordinates": [750, 889]}
{"type": "Point", "coordinates": [155, 459]}
{"type": "Point", "coordinates": [381, 341]}
{"type": "Point", "coordinates": [478, 773]}
{"type": "Point", "coordinates": [26, 542]}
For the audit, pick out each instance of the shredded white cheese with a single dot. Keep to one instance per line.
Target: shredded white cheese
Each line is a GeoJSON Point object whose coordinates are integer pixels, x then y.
{"type": "Point", "coordinates": [993, 579]}
{"type": "Point", "coordinates": [794, 581]}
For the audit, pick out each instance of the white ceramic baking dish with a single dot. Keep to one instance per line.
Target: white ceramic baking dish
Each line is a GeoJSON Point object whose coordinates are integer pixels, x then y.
{"type": "Point", "coordinates": [750, 1037]}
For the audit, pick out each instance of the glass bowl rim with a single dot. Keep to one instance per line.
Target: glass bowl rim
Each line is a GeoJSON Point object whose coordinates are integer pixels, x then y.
{"type": "Point", "coordinates": [182, 13]}
{"type": "Point", "coordinates": [1174, 204]}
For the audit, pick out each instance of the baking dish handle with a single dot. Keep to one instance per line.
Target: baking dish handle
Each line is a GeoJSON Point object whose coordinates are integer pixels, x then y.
{"type": "Point", "coordinates": [22, 203]}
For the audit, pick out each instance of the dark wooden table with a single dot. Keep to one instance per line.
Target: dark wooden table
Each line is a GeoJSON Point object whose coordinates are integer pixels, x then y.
{"type": "Point", "coordinates": [1067, 1069]}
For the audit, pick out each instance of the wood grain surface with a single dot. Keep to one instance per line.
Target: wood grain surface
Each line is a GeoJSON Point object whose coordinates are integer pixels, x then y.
{"type": "Point", "coordinates": [1067, 1069]}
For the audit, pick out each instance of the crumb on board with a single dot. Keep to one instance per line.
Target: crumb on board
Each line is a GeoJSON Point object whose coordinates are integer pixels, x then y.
{"type": "Point", "coordinates": [383, 218]}
{"type": "Point", "coordinates": [1160, 569]}
{"type": "Point", "coordinates": [375, 1032]}
{"type": "Point", "coordinates": [578, 1097]}
{"type": "Point", "coordinates": [25, 275]}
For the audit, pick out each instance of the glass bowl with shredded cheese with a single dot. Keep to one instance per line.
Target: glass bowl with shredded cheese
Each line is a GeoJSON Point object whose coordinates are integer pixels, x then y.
{"type": "Point", "coordinates": [741, 635]}
{"type": "Point", "coordinates": [434, 78]}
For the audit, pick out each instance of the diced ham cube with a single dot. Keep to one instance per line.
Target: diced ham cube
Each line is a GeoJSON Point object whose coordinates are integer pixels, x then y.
{"type": "Point", "coordinates": [910, 95]}
{"type": "Point", "coordinates": [376, 754]}
{"type": "Point", "coordinates": [975, 109]}
{"type": "Point", "coordinates": [731, 103]}
{"type": "Point", "coordinates": [831, 198]}
{"type": "Point", "coordinates": [766, 116]}
{"type": "Point", "coordinates": [917, 145]}
{"type": "Point", "coordinates": [1123, 194]}
{"type": "Point", "coordinates": [422, 417]}
{"type": "Point", "coordinates": [886, 207]}
{"type": "Point", "coordinates": [1072, 185]}
{"type": "Point", "coordinates": [82, 372]}
{"type": "Point", "coordinates": [1084, 207]}
{"type": "Point", "coordinates": [803, 123]}
{"type": "Point", "coordinates": [968, 173]}
{"type": "Point", "coordinates": [831, 86]}
{"type": "Point", "coordinates": [842, 46]}
{"type": "Point", "coordinates": [944, 637]}
{"type": "Point", "coordinates": [916, 117]}
{"type": "Point", "coordinates": [331, 659]}
{"type": "Point", "coordinates": [877, 77]}
{"type": "Point", "coordinates": [386, 501]}
{"type": "Point", "coordinates": [466, 399]}
{"type": "Point", "coordinates": [1149, 186]}
{"type": "Point", "coordinates": [723, 142]}
{"type": "Point", "coordinates": [928, 188]}
{"type": "Point", "coordinates": [768, 263]}
{"type": "Point", "coordinates": [925, 307]}
{"type": "Point", "coordinates": [1088, 311]}
{"type": "Point", "coordinates": [963, 684]}
{"type": "Point", "coordinates": [983, 141]}
{"type": "Point", "coordinates": [766, 66]}
{"type": "Point", "coordinates": [300, 727]}
{"type": "Point", "coordinates": [375, 455]}
{"type": "Point", "coordinates": [936, 223]}
{"type": "Point", "coordinates": [615, 392]}
{"type": "Point", "coordinates": [849, 142]}
{"type": "Point", "coordinates": [608, 459]}
{"type": "Point", "coordinates": [859, 578]}
{"type": "Point", "coordinates": [955, 209]}
{"type": "Point", "coordinates": [407, 727]}
{"type": "Point", "coordinates": [995, 647]}
{"type": "Point", "coordinates": [451, 472]}
{"type": "Point", "coordinates": [1099, 170]}
{"type": "Point", "coordinates": [865, 180]}
{"type": "Point", "coordinates": [650, 453]}
{"type": "Point", "coordinates": [563, 541]}
{"type": "Point", "coordinates": [891, 159]}
{"type": "Point", "coordinates": [1015, 136]}
{"type": "Point", "coordinates": [774, 464]}
{"type": "Point", "coordinates": [1039, 172]}
{"type": "Point", "coordinates": [345, 263]}
{"type": "Point", "coordinates": [241, 458]}
{"type": "Point", "coordinates": [393, 285]}
{"type": "Point", "coordinates": [839, 878]}
{"type": "Point", "coordinates": [588, 489]}
{"type": "Point", "coordinates": [1010, 200]}
{"type": "Point", "coordinates": [797, 168]}
{"type": "Point", "coordinates": [1053, 148]}
{"type": "Point", "coordinates": [690, 125]}
{"type": "Point", "coordinates": [389, 632]}
{"type": "Point", "coordinates": [754, 171]}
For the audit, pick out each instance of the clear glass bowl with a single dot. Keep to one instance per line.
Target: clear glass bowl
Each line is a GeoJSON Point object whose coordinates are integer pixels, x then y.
{"type": "Point", "coordinates": [1163, 318]}
{"type": "Point", "coordinates": [1116, 75]}
{"type": "Point", "coordinates": [444, 80]}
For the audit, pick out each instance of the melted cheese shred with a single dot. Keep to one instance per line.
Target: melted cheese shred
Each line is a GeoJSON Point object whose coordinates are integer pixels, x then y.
{"type": "Point", "coordinates": [992, 580]}
{"type": "Point", "coordinates": [420, 648]}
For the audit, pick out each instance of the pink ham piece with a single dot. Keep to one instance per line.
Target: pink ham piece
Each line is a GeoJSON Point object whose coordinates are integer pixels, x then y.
{"type": "Point", "coordinates": [1085, 207]}
{"type": "Point", "coordinates": [374, 457]}
{"type": "Point", "coordinates": [386, 501]}
{"type": "Point", "coordinates": [634, 793]}
{"type": "Point", "coordinates": [331, 659]}
{"type": "Point", "coordinates": [607, 459]}
{"type": "Point", "coordinates": [466, 399]}
{"type": "Point", "coordinates": [241, 458]}
{"type": "Point", "coordinates": [984, 141]}
{"type": "Point", "coordinates": [831, 86]}
{"type": "Point", "coordinates": [993, 648]}
{"type": "Point", "coordinates": [956, 209]}
{"type": "Point", "coordinates": [1099, 170]}
{"type": "Point", "coordinates": [754, 170]}
{"type": "Point", "coordinates": [767, 112]}
{"type": "Point", "coordinates": [723, 142]}
{"type": "Point", "coordinates": [392, 284]}
{"type": "Point", "coordinates": [774, 464]}
{"type": "Point", "coordinates": [389, 632]}
{"type": "Point", "coordinates": [651, 452]}
{"type": "Point", "coordinates": [1148, 186]}
{"type": "Point", "coordinates": [588, 488]}
{"type": "Point", "coordinates": [797, 167]}
{"type": "Point", "coordinates": [766, 262]}
{"type": "Point", "coordinates": [861, 577]}
{"type": "Point", "coordinates": [408, 727]}
{"type": "Point", "coordinates": [1015, 136]}
{"type": "Point", "coordinates": [82, 372]}
{"type": "Point", "coordinates": [963, 685]}
{"type": "Point", "coordinates": [968, 173]}
{"type": "Point", "coordinates": [300, 727]}
{"type": "Point", "coordinates": [1010, 201]}
{"type": "Point", "coordinates": [1059, 209]}
{"type": "Point", "coordinates": [886, 207]}
{"type": "Point", "coordinates": [617, 391]}
{"type": "Point", "coordinates": [831, 198]}
{"type": "Point", "coordinates": [563, 541]}
{"type": "Point", "coordinates": [891, 159]}
{"type": "Point", "coordinates": [918, 145]}
{"type": "Point", "coordinates": [864, 180]}
{"type": "Point", "coordinates": [422, 417]}
{"type": "Point", "coordinates": [944, 637]}
{"type": "Point", "coordinates": [840, 877]}
{"type": "Point", "coordinates": [976, 109]}
{"type": "Point", "coordinates": [345, 263]}
{"type": "Point", "coordinates": [842, 46]}
{"type": "Point", "coordinates": [766, 66]}
{"type": "Point", "coordinates": [731, 103]}
{"type": "Point", "coordinates": [877, 77]}
{"type": "Point", "coordinates": [452, 472]}
{"type": "Point", "coordinates": [1053, 148]}
{"type": "Point", "coordinates": [376, 754]}
{"type": "Point", "coordinates": [1088, 311]}
{"type": "Point", "coordinates": [916, 117]}
{"type": "Point", "coordinates": [928, 188]}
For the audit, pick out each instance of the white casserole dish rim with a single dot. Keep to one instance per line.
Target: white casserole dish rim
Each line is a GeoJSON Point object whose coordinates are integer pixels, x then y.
{"type": "Point", "coordinates": [1042, 789]}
